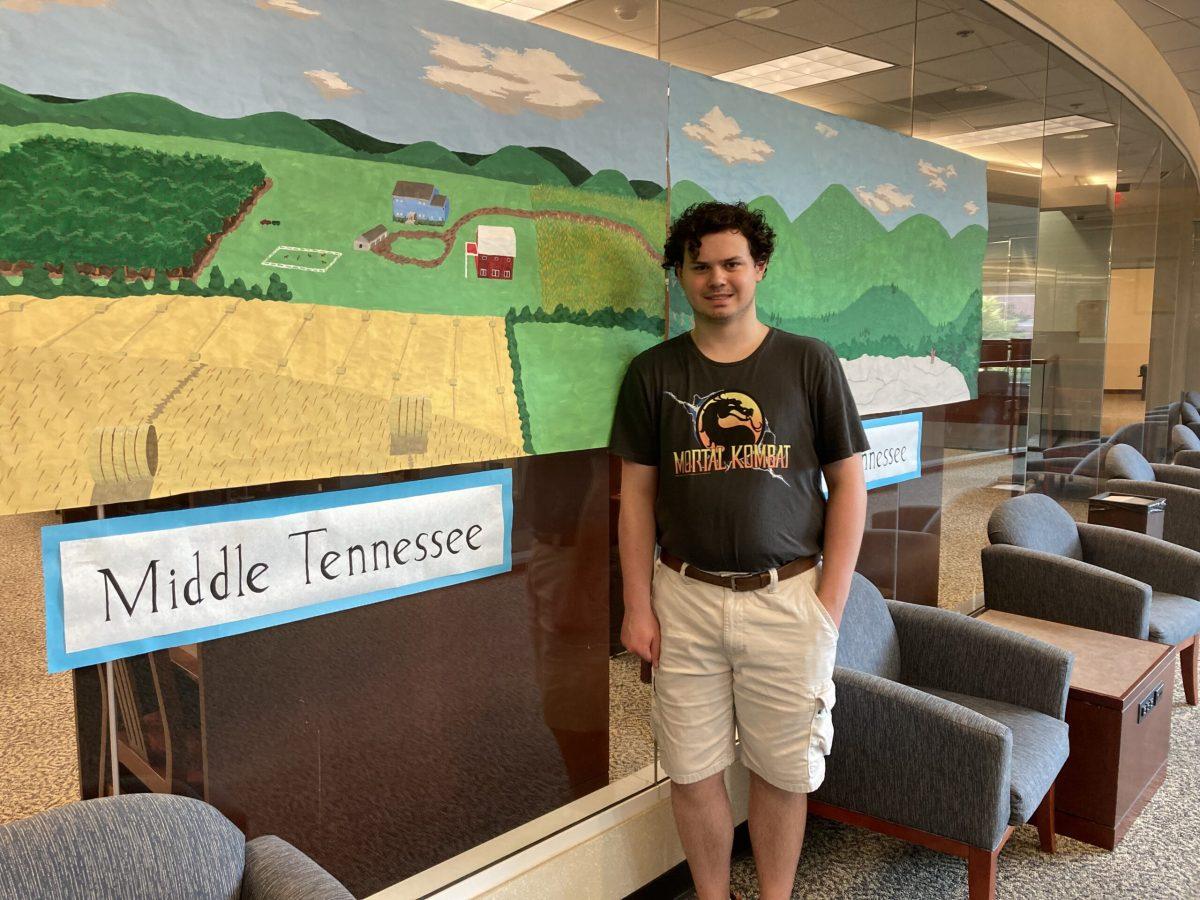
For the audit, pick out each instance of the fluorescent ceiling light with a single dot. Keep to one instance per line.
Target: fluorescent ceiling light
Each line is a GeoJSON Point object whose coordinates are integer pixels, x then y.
{"type": "Point", "coordinates": [803, 70]}
{"type": "Point", "coordinates": [517, 9]}
{"type": "Point", "coordinates": [1020, 132]}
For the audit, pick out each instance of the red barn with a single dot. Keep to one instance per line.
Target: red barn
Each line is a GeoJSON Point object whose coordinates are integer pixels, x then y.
{"type": "Point", "coordinates": [495, 252]}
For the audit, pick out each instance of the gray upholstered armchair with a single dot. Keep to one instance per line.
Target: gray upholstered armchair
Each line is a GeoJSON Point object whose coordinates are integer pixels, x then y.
{"type": "Point", "coordinates": [949, 732]}
{"type": "Point", "coordinates": [1185, 446]}
{"type": "Point", "coordinates": [1042, 563]}
{"type": "Point", "coordinates": [152, 847]}
{"type": "Point", "coordinates": [1129, 472]}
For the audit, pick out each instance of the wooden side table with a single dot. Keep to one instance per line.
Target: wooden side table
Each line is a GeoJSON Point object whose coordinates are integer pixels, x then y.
{"type": "Point", "coordinates": [1129, 511]}
{"type": "Point", "coordinates": [1119, 713]}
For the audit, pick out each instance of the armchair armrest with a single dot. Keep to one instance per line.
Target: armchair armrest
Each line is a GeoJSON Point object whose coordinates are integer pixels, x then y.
{"type": "Point", "coordinates": [918, 760]}
{"type": "Point", "coordinates": [1163, 566]}
{"type": "Point", "coordinates": [1190, 458]}
{"type": "Point", "coordinates": [941, 649]}
{"type": "Point", "coordinates": [275, 870]}
{"type": "Point", "coordinates": [1182, 522]}
{"type": "Point", "coordinates": [1180, 475]}
{"type": "Point", "coordinates": [1047, 586]}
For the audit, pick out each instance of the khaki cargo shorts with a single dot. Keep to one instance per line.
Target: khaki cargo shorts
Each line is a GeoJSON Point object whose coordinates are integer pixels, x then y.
{"type": "Point", "coordinates": [760, 661]}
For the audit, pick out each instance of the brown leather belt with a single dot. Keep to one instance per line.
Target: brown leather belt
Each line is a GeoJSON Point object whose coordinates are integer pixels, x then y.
{"type": "Point", "coordinates": [755, 582]}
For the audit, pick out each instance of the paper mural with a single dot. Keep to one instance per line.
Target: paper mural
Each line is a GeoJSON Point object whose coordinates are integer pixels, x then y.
{"type": "Point", "coordinates": [880, 238]}
{"type": "Point", "coordinates": [249, 242]}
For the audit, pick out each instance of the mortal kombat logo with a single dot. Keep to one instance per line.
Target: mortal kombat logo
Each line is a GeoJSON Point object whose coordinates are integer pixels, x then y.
{"type": "Point", "coordinates": [732, 433]}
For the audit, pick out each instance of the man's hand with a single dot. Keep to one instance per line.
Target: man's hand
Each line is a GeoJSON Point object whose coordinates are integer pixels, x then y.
{"type": "Point", "coordinates": [845, 517]}
{"type": "Point", "coordinates": [640, 633]}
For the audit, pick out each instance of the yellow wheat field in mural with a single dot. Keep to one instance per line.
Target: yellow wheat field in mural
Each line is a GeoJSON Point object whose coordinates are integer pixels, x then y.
{"type": "Point", "coordinates": [108, 400]}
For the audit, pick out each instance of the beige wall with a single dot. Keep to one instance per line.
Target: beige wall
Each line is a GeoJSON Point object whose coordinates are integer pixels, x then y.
{"type": "Point", "coordinates": [1130, 300]}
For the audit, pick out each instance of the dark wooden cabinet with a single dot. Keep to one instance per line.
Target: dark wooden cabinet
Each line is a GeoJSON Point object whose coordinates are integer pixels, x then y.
{"type": "Point", "coordinates": [1119, 713]}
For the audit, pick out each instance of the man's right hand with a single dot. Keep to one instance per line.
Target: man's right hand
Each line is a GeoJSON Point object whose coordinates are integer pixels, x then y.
{"type": "Point", "coordinates": [640, 633]}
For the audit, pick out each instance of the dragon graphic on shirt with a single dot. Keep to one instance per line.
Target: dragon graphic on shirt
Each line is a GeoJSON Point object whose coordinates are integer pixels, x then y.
{"type": "Point", "coordinates": [733, 433]}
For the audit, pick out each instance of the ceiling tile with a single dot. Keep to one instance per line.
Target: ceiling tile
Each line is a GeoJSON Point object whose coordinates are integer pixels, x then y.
{"type": "Point", "coordinates": [1185, 9]}
{"type": "Point", "coordinates": [1146, 13]}
{"type": "Point", "coordinates": [1190, 80]}
{"type": "Point", "coordinates": [874, 15]}
{"type": "Point", "coordinates": [1184, 60]}
{"type": "Point", "coordinates": [604, 13]}
{"type": "Point", "coordinates": [570, 25]}
{"type": "Point", "coordinates": [1174, 35]}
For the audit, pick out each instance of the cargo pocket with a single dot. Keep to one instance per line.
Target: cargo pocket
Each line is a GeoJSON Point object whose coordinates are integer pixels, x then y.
{"type": "Point", "coordinates": [820, 735]}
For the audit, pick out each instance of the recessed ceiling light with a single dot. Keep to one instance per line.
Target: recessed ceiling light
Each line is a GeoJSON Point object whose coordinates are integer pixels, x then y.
{"type": "Point", "coordinates": [817, 66]}
{"type": "Point", "coordinates": [627, 12]}
{"type": "Point", "coordinates": [757, 13]}
{"type": "Point", "coordinates": [1063, 125]}
{"type": "Point", "coordinates": [970, 88]}
{"type": "Point", "coordinates": [517, 9]}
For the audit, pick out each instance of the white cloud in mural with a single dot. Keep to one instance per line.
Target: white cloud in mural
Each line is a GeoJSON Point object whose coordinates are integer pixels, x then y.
{"type": "Point", "coordinates": [825, 131]}
{"type": "Point", "coordinates": [884, 199]}
{"type": "Point", "coordinates": [937, 175]}
{"type": "Point", "coordinates": [509, 81]}
{"type": "Point", "coordinates": [971, 207]}
{"type": "Point", "coordinates": [291, 7]}
{"type": "Point", "coordinates": [723, 137]}
{"type": "Point", "coordinates": [330, 84]}
{"type": "Point", "coordinates": [36, 6]}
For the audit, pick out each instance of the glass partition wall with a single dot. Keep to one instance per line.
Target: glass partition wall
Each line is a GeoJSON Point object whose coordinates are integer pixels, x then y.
{"type": "Point", "coordinates": [1088, 335]}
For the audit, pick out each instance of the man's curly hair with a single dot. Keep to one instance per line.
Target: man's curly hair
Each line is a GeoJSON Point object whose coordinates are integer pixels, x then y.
{"type": "Point", "coordinates": [702, 219]}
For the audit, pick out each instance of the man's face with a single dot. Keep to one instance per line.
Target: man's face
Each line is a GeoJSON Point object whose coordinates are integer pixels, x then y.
{"type": "Point", "coordinates": [720, 279]}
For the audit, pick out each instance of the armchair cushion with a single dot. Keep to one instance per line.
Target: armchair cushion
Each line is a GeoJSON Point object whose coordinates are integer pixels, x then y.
{"type": "Point", "coordinates": [1031, 583]}
{"type": "Point", "coordinates": [1035, 522]}
{"type": "Point", "coordinates": [951, 652]}
{"type": "Point", "coordinates": [1122, 461]}
{"type": "Point", "coordinates": [1188, 413]}
{"type": "Point", "coordinates": [1182, 524]}
{"type": "Point", "coordinates": [129, 846]}
{"type": "Point", "coordinates": [1173, 618]}
{"type": "Point", "coordinates": [867, 638]}
{"type": "Point", "coordinates": [918, 760]}
{"type": "Point", "coordinates": [1162, 565]}
{"type": "Point", "coordinates": [1184, 476]}
{"type": "Point", "coordinates": [275, 870]}
{"type": "Point", "coordinates": [1039, 749]}
{"type": "Point", "coordinates": [1187, 458]}
{"type": "Point", "coordinates": [1183, 438]}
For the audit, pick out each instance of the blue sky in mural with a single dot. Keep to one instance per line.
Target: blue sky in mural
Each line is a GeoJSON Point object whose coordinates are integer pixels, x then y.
{"type": "Point", "coordinates": [365, 63]}
{"type": "Point", "coordinates": [740, 144]}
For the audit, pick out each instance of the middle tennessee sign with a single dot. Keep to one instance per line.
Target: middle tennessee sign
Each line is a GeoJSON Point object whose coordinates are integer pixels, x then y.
{"type": "Point", "coordinates": [895, 453]}
{"type": "Point", "coordinates": [118, 587]}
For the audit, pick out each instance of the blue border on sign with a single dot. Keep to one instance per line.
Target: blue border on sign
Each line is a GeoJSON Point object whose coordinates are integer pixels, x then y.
{"type": "Point", "coordinates": [917, 417]}
{"type": "Point", "coordinates": [59, 660]}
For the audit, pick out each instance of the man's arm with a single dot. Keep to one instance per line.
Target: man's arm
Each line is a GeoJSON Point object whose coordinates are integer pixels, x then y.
{"type": "Point", "coordinates": [845, 517]}
{"type": "Point", "coordinates": [635, 539]}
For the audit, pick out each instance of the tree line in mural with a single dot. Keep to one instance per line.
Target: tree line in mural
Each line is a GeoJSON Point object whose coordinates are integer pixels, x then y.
{"type": "Point", "coordinates": [148, 114]}
{"type": "Point", "coordinates": [67, 280]}
{"type": "Point", "coordinates": [840, 275]}
{"type": "Point", "coordinates": [107, 206]}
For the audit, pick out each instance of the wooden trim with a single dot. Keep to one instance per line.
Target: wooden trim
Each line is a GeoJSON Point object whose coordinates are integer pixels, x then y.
{"type": "Point", "coordinates": [904, 832]}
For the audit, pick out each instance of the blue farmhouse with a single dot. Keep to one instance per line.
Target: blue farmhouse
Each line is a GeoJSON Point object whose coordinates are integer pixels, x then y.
{"type": "Point", "coordinates": [419, 203]}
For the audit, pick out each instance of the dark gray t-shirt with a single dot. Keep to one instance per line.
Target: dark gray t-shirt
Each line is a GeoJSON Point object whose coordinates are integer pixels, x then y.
{"type": "Point", "coordinates": [738, 446]}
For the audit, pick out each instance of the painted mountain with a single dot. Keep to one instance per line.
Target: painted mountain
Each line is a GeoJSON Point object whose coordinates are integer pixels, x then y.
{"type": "Point", "coordinates": [839, 275]}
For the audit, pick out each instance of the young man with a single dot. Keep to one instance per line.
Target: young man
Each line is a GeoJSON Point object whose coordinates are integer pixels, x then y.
{"type": "Point", "coordinates": [724, 434]}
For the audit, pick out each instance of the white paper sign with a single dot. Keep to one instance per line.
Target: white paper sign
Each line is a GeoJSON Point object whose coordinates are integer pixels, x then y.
{"type": "Point", "coordinates": [122, 586]}
{"type": "Point", "coordinates": [895, 453]}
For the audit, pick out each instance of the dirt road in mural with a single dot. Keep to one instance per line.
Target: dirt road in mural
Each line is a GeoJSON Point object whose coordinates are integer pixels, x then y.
{"type": "Point", "coordinates": [448, 237]}
{"type": "Point", "coordinates": [234, 388]}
